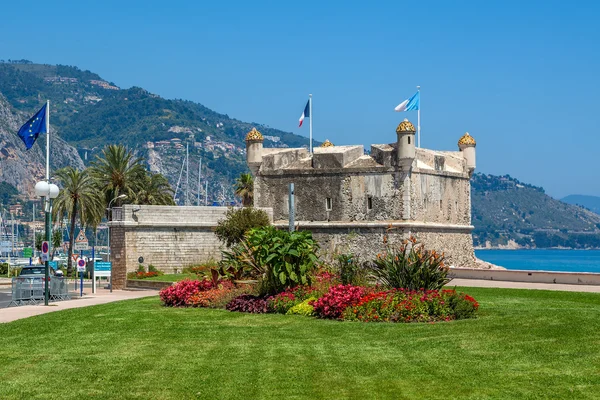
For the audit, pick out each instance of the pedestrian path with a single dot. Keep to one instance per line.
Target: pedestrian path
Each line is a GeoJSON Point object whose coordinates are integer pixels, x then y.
{"type": "Point", "coordinates": [100, 297]}
{"type": "Point", "coordinates": [523, 285]}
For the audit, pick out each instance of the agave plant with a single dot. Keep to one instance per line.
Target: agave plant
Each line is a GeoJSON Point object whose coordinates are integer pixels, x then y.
{"type": "Point", "coordinates": [410, 266]}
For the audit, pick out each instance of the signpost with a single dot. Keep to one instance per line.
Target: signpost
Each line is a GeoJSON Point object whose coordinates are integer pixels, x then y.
{"type": "Point", "coordinates": [101, 268]}
{"type": "Point", "coordinates": [53, 265]}
{"type": "Point", "coordinates": [45, 250]}
{"type": "Point", "coordinates": [81, 242]}
{"type": "Point", "coordinates": [81, 270]}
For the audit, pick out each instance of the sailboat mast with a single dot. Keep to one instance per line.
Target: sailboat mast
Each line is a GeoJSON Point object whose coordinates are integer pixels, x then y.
{"type": "Point", "coordinates": [187, 174]}
{"type": "Point", "coordinates": [199, 178]}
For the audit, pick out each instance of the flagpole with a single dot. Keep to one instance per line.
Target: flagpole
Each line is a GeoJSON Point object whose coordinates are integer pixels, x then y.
{"type": "Point", "coordinates": [48, 141]}
{"type": "Point", "coordinates": [419, 119]}
{"type": "Point", "coordinates": [310, 145]}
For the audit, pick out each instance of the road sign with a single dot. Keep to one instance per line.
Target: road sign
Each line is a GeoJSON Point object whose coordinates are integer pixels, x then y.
{"type": "Point", "coordinates": [102, 268]}
{"type": "Point", "coordinates": [81, 242]}
{"type": "Point", "coordinates": [53, 265]}
{"type": "Point", "coordinates": [27, 252]}
{"type": "Point", "coordinates": [45, 250]}
{"type": "Point", "coordinates": [80, 265]}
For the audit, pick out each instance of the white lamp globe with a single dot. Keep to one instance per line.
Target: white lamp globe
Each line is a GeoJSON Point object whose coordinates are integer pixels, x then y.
{"type": "Point", "coordinates": [53, 191]}
{"type": "Point", "coordinates": [42, 188]}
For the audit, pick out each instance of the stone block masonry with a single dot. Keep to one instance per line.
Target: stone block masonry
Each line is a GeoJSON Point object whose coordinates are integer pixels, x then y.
{"type": "Point", "coordinates": [170, 238]}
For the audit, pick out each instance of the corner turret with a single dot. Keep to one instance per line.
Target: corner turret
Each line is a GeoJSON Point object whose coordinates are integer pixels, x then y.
{"type": "Point", "coordinates": [406, 143]}
{"type": "Point", "coordinates": [467, 144]}
{"type": "Point", "coordinates": [254, 147]}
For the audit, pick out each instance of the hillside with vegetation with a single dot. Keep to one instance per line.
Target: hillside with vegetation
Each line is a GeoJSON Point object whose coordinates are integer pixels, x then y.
{"type": "Point", "coordinates": [592, 203]}
{"type": "Point", "coordinates": [506, 211]}
{"type": "Point", "coordinates": [89, 113]}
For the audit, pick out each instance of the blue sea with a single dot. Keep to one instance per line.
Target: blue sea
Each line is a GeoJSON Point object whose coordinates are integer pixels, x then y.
{"type": "Point", "coordinates": [545, 260]}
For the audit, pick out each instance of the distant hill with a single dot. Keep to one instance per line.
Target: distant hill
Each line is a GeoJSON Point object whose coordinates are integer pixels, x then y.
{"type": "Point", "coordinates": [90, 113]}
{"type": "Point", "coordinates": [505, 209]}
{"type": "Point", "coordinates": [592, 203]}
{"type": "Point", "coordinates": [20, 168]}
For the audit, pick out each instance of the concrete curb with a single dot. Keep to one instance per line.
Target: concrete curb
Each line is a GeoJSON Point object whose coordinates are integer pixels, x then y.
{"type": "Point", "coordinates": [511, 275]}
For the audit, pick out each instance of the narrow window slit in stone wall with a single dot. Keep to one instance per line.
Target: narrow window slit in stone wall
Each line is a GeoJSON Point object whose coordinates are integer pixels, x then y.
{"type": "Point", "coordinates": [328, 206]}
{"type": "Point", "coordinates": [369, 203]}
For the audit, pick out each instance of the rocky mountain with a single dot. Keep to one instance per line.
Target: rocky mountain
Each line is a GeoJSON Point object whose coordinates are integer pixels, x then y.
{"type": "Point", "coordinates": [22, 168]}
{"type": "Point", "coordinates": [592, 203]}
{"type": "Point", "coordinates": [90, 113]}
{"type": "Point", "coordinates": [507, 212]}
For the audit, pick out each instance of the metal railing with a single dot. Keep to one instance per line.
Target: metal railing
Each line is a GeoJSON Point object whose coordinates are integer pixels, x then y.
{"type": "Point", "coordinates": [26, 290]}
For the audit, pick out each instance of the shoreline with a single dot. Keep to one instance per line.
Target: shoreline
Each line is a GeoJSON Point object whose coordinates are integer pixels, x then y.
{"type": "Point", "coordinates": [534, 248]}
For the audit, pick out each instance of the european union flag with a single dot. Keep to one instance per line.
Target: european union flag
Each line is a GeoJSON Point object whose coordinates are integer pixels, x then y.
{"type": "Point", "coordinates": [32, 128]}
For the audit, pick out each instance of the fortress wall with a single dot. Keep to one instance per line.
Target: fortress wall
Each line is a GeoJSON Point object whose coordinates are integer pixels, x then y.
{"type": "Point", "coordinates": [367, 239]}
{"type": "Point", "coordinates": [168, 237]}
{"type": "Point", "coordinates": [440, 198]}
{"type": "Point", "coordinates": [348, 191]}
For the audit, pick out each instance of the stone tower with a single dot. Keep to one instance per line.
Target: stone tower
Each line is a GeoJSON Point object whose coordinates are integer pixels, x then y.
{"type": "Point", "coordinates": [467, 144]}
{"type": "Point", "coordinates": [254, 149]}
{"type": "Point", "coordinates": [405, 144]}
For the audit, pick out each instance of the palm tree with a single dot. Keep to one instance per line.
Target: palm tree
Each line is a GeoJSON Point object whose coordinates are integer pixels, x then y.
{"type": "Point", "coordinates": [56, 241]}
{"type": "Point", "coordinates": [155, 190]}
{"type": "Point", "coordinates": [244, 188]}
{"type": "Point", "coordinates": [79, 197]}
{"type": "Point", "coordinates": [118, 172]}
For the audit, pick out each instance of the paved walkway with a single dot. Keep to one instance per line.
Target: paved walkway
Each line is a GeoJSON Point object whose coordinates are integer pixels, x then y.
{"type": "Point", "coordinates": [100, 297]}
{"type": "Point", "coordinates": [524, 285]}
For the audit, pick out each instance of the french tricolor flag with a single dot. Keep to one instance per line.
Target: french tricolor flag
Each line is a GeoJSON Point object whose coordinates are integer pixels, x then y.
{"type": "Point", "coordinates": [305, 113]}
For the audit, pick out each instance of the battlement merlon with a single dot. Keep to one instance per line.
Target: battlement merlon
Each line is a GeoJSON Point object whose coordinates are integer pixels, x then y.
{"type": "Point", "coordinates": [352, 159]}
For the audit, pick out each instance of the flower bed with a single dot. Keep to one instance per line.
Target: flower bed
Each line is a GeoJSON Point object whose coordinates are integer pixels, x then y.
{"type": "Point", "coordinates": [341, 302]}
{"type": "Point", "coordinates": [399, 305]}
{"type": "Point", "coordinates": [142, 274]}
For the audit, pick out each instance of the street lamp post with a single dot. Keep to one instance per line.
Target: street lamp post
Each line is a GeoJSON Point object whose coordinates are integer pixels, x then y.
{"type": "Point", "coordinates": [47, 191]}
{"type": "Point", "coordinates": [121, 196]}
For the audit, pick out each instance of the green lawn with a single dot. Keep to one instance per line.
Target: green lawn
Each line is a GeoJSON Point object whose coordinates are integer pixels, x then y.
{"type": "Point", "coordinates": [172, 277]}
{"type": "Point", "coordinates": [524, 345]}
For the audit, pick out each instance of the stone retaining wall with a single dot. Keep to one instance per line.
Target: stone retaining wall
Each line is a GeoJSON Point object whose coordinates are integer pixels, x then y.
{"type": "Point", "coordinates": [170, 238]}
{"type": "Point", "coordinates": [367, 239]}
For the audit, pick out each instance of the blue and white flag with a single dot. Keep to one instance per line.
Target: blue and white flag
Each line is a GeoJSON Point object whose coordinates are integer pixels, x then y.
{"type": "Point", "coordinates": [411, 104]}
{"type": "Point", "coordinates": [30, 131]}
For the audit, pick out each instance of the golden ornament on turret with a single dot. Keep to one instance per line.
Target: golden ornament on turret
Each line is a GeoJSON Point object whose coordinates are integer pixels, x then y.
{"type": "Point", "coordinates": [327, 143]}
{"type": "Point", "coordinates": [254, 135]}
{"type": "Point", "coordinates": [406, 127]}
{"type": "Point", "coordinates": [467, 139]}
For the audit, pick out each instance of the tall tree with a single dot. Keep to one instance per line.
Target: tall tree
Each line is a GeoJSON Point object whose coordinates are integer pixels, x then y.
{"type": "Point", "coordinates": [79, 197]}
{"type": "Point", "coordinates": [118, 172]}
{"type": "Point", "coordinates": [56, 241]}
{"type": "Point", "coordinates": [154, 190]}
{"type": "Point", "coordinates": [244, 188]}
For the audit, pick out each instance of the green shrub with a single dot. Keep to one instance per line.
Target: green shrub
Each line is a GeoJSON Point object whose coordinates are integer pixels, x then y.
{"type": "Point", "coordinates": [237, 222]}
{"type": "Point", "coordinates": [305, 308]}
{"type": "Point", "coordinates": [152, 268]}
{"type": "Point", "coordinates": [238, 263]}
{"type": "Point", "coordinates": [410, 267]}
{"type": "Point", "coordinates": [3, 268]}
{"type": "Point", "coordinates": [287, 258]}
{"type": "Point", "coordinates": [350, 270]}
{"type": "Point", "coordinates": [141, 268]}
{"type": "Point", "coordinates": [279, 259]}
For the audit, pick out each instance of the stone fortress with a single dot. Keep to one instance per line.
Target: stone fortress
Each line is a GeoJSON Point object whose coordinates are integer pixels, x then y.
{"type": "Point", "coordinates": [352, 203]}
{"type": "Point", "coordinates": [356, 203]}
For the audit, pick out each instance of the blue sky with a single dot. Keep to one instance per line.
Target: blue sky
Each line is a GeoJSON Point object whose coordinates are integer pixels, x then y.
{"type": "Point", "coordinates": [520, 76]}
